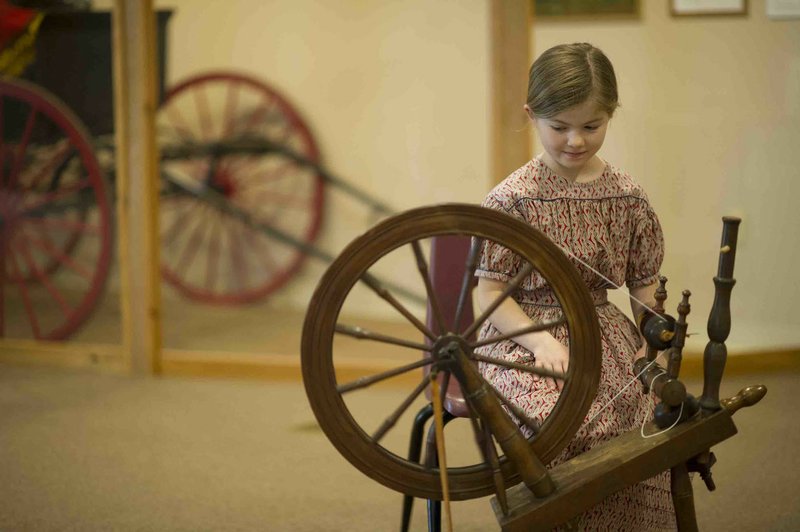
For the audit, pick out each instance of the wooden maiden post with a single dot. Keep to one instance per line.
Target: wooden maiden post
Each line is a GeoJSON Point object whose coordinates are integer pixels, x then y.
{"type": "Point", "coordinates": [719, 320]}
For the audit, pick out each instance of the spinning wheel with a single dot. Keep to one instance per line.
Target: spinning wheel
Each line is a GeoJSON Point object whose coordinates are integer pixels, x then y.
{"type": "Point", "coordinates": [447, 352]}
{"type": "Point", "coordinates": [207, 254]}
{"type": "Point", "coordinates": [55, 216]}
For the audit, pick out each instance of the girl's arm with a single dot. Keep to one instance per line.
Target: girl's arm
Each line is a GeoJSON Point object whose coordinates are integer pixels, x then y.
{"type": "Point", "coordinates": [645, 294]}
{"type": "Point", "coordinates": [549, 353]}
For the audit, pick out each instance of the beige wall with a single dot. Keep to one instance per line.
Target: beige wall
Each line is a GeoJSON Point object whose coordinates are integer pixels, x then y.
{"type": "Point", "coordinates": [710, 125]}
{"type": "Point", "coordinates": [397, 94]}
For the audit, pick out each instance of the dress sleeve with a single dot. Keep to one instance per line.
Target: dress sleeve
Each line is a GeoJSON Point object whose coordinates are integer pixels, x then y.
{"type": "Point", "coordinates": [647, 248]}
{"type": "Point", "coordinates": [498, 262]}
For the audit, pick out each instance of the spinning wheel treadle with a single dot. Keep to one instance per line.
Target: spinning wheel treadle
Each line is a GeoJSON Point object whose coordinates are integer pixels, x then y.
{"type": "Point", "coordinates": [363, 446]}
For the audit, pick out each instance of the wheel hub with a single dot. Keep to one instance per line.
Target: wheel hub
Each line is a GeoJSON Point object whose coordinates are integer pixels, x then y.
{"type": "Point", "coordinates": [446, 346]}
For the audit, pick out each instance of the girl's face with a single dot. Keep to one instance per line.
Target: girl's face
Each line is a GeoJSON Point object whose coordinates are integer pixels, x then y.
{"type": "Point", "coordinates": [572, 138]}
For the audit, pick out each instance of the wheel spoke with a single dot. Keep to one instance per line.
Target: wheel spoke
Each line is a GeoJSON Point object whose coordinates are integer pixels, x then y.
{"type": "Point", "coordinates": [32, 267]}
{"type": "Point", "coordinates": [46, 245]}
{"type": "Point", "coordinates": [523, 367]}
{"type": "Point", "coordinates": [178, 124]}
{"type": "Point", "coordinates": [390, 421]}
{"type": "Point", "coordinates": [384, 294]}
{"type": "Point", "coordinates": [64, 224]}
{"type": "Point", "coordinates": [518, 412]}
{"type": "Point", "coordinates": [190, 248]}
{"type": "Point", "coordinates": [536, 327]}
{"type": "Point", "coordinates": [16, 274]}
{"type": "Point", "coordinates": [23, 147]}
{"type": "Point", "coordinates": [363, 334]}
{"type": "Point", "coordinates": [255, 116]}
{"type": "Point", "coordinates": [511, 287]}
{"type": "Point", "coordinates": [467, 282]}
{"type": "Point", "coordinates": [213, 257]}
{"type": "Point", "coordinates": [55, 161]}
{"type": "Point", "coordinates": [433, 301]}
{"type": "Point", "coordinates": [203, 113]}
{"type": "Point", "coordinates": [238, 260]}
{"type": "Point", "coordinates": [2, 171]}
{"type": "Point", "coordinates": [483, 439]}
{"type": "Point", "coordinates": [363, 382]}
{"type": "Point", "coordinates": [51, 197]}
{"type": "Point", "coordinates": [179, 220]}
{"type": "Point", "coordinates": [231, 102]}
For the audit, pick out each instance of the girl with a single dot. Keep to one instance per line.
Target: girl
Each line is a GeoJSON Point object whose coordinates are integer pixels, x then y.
{"type": "Point", "coordinates": [602, 219]}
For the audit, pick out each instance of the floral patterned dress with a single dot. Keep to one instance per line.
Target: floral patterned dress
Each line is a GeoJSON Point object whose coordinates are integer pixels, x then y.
{"type": "Point", "coordinates": [607, 224]}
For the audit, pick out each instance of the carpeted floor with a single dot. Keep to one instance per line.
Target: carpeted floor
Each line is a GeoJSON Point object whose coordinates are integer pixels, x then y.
{"type": "Point", "coordinates": [97, 452]}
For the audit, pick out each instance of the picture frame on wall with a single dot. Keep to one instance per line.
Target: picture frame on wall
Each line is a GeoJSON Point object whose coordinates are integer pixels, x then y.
{"type": "Point", "coordinates": [682, 8]}
{"type": "Point", "coordinates": [584, 9]}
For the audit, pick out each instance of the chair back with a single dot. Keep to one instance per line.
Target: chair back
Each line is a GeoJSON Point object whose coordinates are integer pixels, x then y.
{"type": "Point", "coordinates": [447, 267]}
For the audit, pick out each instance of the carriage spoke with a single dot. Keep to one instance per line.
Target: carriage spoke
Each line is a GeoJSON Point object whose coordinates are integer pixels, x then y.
{"type": "Point", "coordinates": [467, 282]}
{"type": "Point", "coordinates": [2, 179]}
{"type": "Point", "coordinates": [363, 334]}
{"type": "Point", "coordinates": [523, 367]}
{"type": "Point", "coordinates": [178, 124]}
{"type": "Point", "coordinates": [237, 256]}
{"type": "Point", "coordinates": [32, 267]}
{"type": "Point", "coordinates": [16, 274]}
{"type": "Point", "coordinates": [422, 267]}
{"type": "Point", "coordinates": [510, 287]}
{"type": "Point", "coordinates": [23, 147]}
{"type": "Point", "coordinates": [46, 245]}
{"type": "Point", "coordinates": [56, 160]}
{"type": "Point", "coordinates": [52, 197]}
{"type": "Point", "coordinates": [231, 102]}
{"type": "Point", "coordinates": [261, 179]}
{"type": "Point", "coordinates": [255, 116]}
{"type": "Point", "coordinates": [213, 257]}
{"type": "Point", "coordinates": [282, 200]}
{"type": "Point", "coordinates": [536, 327]}
{"type": "Point", "coordinates": [191, 247]}
{"type": "Point", "coordinates": [363, 382]}
{"type": "Point", "coordinates": [65, 224]}
{"type": "Point", "coordinates": [390, 421]}
{"type": "Point", "coordinates": [179, 221]}
{"type": "Point", "coordinates": [203, 113]}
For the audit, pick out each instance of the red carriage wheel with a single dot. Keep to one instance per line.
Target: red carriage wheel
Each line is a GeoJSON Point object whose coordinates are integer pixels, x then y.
{"type": "Point", "coordinates": [55, 216]}
{"type": "Point", "coordinates": [207, 254]}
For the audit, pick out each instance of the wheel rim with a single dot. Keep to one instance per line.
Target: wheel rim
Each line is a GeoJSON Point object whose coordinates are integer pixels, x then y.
{"type": "Point", "coordinates": [56, 215]}
{"type": "Point", "coordinates": [319, 370]}
{"type": "Point", "coordinates": [207, 254]}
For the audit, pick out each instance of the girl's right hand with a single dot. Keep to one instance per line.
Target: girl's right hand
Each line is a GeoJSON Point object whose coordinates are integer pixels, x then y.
{"type": "Point", "coordinates": [551, 355]}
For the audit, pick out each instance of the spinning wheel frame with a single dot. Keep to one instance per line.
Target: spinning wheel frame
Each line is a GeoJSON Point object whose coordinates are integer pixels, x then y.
{"type": "Point", "coordinates": [320, 325]}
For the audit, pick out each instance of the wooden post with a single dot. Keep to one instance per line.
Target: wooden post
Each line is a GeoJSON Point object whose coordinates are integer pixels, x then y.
{"type": "Point", "coordinates": [510, 56]}
{"type": "Point", "coordinates": [135, 103]}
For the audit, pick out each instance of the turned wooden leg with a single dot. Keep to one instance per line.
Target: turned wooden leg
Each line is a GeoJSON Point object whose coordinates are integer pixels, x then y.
{"type": "Point", "coordinates": [683, 499]}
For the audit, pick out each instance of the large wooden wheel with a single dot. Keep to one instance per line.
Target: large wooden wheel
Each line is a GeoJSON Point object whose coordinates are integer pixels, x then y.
{"type": "Point", "coordinates": [55, 216]}
{"type": "Point", "coordinates": [207, 254]}
{"type": "Point", "coordinates": [330, 386]}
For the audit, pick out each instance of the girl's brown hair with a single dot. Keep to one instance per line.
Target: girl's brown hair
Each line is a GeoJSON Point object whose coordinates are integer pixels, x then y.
{"type": "Point", "coordinates": [569, 74]}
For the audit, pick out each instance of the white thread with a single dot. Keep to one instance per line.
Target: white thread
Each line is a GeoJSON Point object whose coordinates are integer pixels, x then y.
{"type": "Point", "coordinates": [680, 413]}
{"type": "Point", "coordinates": [622, 390]}
{"type": "Point", "coordinates": [612, 283]}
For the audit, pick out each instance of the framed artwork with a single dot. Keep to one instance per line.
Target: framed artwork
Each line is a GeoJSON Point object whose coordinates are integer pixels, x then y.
{"type": "Point", "coordinates": [680, 8]}
{"type": "Point", "coordinates": [585, 9]}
